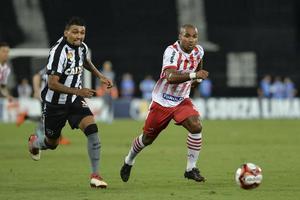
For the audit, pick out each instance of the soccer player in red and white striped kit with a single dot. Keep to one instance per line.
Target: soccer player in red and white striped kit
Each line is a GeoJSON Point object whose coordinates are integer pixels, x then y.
{"type": "Point", "coordinates": [4, 70]}
{"type": "Point", "coordinates": [182, 67]}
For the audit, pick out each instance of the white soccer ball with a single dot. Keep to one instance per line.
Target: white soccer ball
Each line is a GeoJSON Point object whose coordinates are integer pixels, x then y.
{"type": "Point", "coordinates": [248, 176]}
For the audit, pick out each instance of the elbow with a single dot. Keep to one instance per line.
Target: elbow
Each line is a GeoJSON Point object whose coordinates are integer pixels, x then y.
{"type": "Point", "coordinates": [170, 81]}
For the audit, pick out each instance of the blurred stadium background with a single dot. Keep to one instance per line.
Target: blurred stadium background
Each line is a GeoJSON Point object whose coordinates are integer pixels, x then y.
{"type": "Point", "coordinates": [244, 40]}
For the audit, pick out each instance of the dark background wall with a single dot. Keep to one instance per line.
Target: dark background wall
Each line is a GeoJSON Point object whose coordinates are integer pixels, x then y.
{"type": "Point", "coordinates": [267, 27]}
{"type": "Point", "coordinates": [9, 29]}
{"type": "Point", "coordinates": [133, 34]}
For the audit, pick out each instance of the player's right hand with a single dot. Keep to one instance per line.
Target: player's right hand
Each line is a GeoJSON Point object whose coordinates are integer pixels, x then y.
{"type": "Point", "coordinates": [202, 74]}
{"type": "Point", "coordinates": [86, 92]}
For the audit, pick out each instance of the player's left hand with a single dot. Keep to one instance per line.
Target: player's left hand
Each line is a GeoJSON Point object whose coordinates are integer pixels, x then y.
{"type": "Point", "coordinates": [10, 98]}
{"type": "Point", "coordinates": [194, 84]}
{"type": "Point", "coordinates": [108, 82]}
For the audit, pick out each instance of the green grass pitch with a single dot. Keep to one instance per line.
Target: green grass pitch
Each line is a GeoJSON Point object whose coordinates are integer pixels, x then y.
{"type": "Point", "coordinates": [158, 173]}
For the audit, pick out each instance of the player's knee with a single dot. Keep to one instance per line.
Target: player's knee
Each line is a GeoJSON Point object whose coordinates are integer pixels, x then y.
{"type": "Point", "coordinates": [147, 140]}
{"type": "Point", "coordinates": [52, 147]}
{"type": "Point", "coordinates": [51, 144]}
{"type": "Point", "coordinates": [90, 129]}
{"type": "Point", "coordinates": [196, 127]}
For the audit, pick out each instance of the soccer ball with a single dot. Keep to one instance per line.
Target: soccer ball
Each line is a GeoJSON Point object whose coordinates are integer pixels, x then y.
{"type": "Point", "coordinates": [248, 176]}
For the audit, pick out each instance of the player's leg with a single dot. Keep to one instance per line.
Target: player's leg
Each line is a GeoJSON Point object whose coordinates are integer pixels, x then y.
{"type": "Point", "coordinates": [81, 117]}
{"type": "Point", "coordinates": [189, 118]}
{"type": "Point", "coordinates": [138, 144]}
{"type": "Point", "coordinates": [194, 143]}
{"type": "Point", "coordinates": [22, 116]}
{"type": "Point", "coordinates": [158, 119]}
{"type": "Point", "coordinates": [40, 128]}
{"type": "Point", "coordinates": [54, 120]}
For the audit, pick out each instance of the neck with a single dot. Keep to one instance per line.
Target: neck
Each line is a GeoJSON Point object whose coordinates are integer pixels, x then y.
{"type": "Point", "coordinates": [69, 44]}
{"type": "Point", "coordinates": [183, 49]}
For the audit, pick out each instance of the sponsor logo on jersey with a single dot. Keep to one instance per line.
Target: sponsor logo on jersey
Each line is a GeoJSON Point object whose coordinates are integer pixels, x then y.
{"type": "Point", "coordinates": [74, 70]}
{"type": "Point", "coordinates": [172, 98]}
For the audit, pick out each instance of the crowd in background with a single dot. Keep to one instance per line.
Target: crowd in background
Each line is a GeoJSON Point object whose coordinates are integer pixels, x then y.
{"type": "Point", "coordinates": [269, 87]}
{"type": "Point", "coordinates": [276, 87]}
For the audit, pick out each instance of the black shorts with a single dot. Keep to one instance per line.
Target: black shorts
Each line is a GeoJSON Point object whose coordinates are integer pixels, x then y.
{"type": "Point", "coordinates": [56, 115]}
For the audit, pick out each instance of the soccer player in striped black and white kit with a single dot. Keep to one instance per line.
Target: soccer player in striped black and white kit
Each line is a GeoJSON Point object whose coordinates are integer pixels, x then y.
{"type": "Point", "coordinates": [63, 97]}
{"type": "Point", "coordinates": [4, 69]}
{"type": "Point", "coordinates": [182, 67]}
{"type": "Point", "coordinates": [39, 80]}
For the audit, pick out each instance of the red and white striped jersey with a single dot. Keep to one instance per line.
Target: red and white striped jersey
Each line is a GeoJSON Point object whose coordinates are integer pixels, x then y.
{"type": "Point", "coordinates": [4, 73]}
{"type": "Point", "coordinates": [169, 95]}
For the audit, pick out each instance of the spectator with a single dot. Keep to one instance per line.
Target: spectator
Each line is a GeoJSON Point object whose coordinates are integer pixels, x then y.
{"type": "Point", "coordinates": [24, 89]}
{"type": "Point", "coordinates": [205, 88]}
{"type": "Point", "coordinates": [127, 86]}
{"type": "Point", "coordinates": [4, 70]}
{"type": "Point", "coordinates": [264, 90]}
{"type": "Point", "coordinates": [102, 89]}
{"type": "Point", "coordinates": [289, 88]}
{"type": "Point", "coordinates": [107, 71]}
{"type": "Point", "coordinates": [146, 87]}
{"type": "Point", "coordinates": [277, 88]}
{"type": "Point", "coordinates": [108, 94]}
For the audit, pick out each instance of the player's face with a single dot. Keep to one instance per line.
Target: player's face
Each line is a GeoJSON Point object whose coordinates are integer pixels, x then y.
{"type": "Point", "coordinates": [75, 34]}
{"type": "Point", "coordinates": [4, 53]}
{"type": "Point", "coordinates": [188, 38]}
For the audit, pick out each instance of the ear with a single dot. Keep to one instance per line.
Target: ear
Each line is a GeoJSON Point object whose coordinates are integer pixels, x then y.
{"type": "Point", "coordinates": [65, 33]}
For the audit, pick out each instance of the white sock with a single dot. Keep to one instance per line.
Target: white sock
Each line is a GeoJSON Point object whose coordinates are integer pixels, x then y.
{"type": "Point", "coordinates": [40, 142]}
{"type": "Point", "coordinates": [136, 147]}
{"type": "Point", "coordinates": [194, 142]}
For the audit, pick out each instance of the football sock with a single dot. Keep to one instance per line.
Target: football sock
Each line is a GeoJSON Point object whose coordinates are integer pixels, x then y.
{"type": "Point", "coordinates": [40, 142]}
{"type": "Point", "coordinates": [93, 146]}
{"type": "Point", "coordinates": [40, 129]}
{"type": "Point", "coordinates": [136, 147]}
{"type": "Point", "coordinates": [194, 142]}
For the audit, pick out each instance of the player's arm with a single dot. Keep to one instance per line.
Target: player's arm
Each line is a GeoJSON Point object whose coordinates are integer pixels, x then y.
{"type": "Point", "coordinates": [175, 77]}
{"type": "Point", "coordinates": [196, 82]}
{"type": "Point", "coordinates": [4, 91]}
{"type": "Point", "coordinates": [200, 65]}
{"type": "Point", "coordinates": [90, 66]}
{"type": "Point", "coordinates": [36, 83]}
{"type": "Point", "coordinates": [55, 85]}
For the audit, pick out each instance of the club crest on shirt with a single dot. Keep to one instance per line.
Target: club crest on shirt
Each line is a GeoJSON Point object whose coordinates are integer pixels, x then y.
{"type": "Point", "coordinates": [70, 55]}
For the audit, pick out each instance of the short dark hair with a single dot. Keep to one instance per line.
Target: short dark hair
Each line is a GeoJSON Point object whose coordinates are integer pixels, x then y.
{"type": "Point", "coordinates": [4, 44]}
{"type": "Point", "coordinates": [75, 21]}
{"type": "Point", "coordinates": [184, 26]}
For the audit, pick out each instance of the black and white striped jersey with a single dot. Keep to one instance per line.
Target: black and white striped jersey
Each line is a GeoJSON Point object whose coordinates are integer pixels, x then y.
{"type": "Point", "coordinates": [66, 61]}
{"type": "Point", "coordinates": [43, 74]}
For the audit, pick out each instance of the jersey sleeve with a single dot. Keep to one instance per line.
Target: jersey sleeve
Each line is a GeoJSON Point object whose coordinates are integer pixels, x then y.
{"type": "Point", "coordinates": [42, 71]}
{"type": "Point", "coordinates": [57, 60]}
{"type": "Point", "coordinates": [201, 51]}
{"type": "Point", "coordinates": [85, 51]}
{"type": "Point", "coordinates": [170, 59]}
